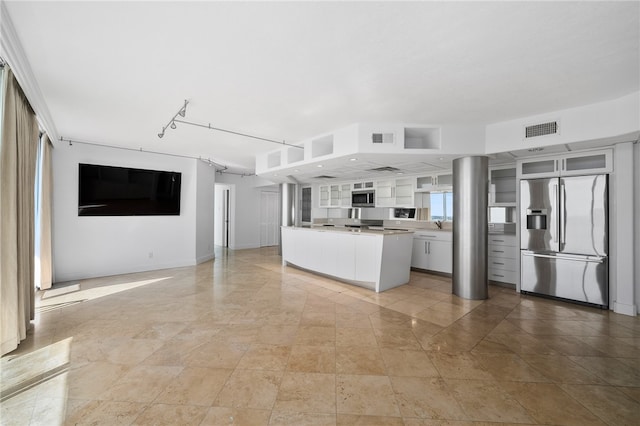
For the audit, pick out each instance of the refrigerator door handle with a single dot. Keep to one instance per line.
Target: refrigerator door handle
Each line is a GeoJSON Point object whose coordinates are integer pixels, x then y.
{"type": "Point", "coordinates": [579, 259]}
{"type": "Point", "coordinates": [563, 207]}
{"type": "Point", "coordinates": [555, 197]}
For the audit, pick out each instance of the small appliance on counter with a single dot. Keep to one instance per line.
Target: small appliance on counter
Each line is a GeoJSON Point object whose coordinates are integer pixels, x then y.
{"type": "Point", "coordinates": [408, 213]}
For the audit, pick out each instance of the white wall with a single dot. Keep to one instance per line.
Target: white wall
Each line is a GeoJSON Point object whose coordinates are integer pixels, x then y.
{"type": "Point", "coordinates": [106, 245]}
{"type": "Point", "coordinates": [205, 192]}
{"type": "Point", "coordinates": [245, 208]}
{"type": "Point", "coordinates": [602, 120]}
{"type": "Point", "coordinates": [636, 237]}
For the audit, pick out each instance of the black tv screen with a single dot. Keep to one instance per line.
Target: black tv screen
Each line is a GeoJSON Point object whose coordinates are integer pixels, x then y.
{"type": "Point", "coordinates": [121, 191]}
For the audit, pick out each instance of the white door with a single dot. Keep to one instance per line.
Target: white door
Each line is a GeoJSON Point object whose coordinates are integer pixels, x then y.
{"type": "Point", "coordinates": [269, 219]}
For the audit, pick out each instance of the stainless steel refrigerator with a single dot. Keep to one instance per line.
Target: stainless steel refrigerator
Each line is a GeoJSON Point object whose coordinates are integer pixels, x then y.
{"type": "Point", "coordinates": [564, 238]}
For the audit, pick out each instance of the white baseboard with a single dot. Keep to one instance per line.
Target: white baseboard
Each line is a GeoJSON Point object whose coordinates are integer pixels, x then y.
{"type": "Point", "coordinates": [625, 309]}
{"type": "Point", "coordinates": [205, 258]}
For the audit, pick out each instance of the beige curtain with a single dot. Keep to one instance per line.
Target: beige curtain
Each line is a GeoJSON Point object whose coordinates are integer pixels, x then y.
{"type": "Point", "coordinates": [18, 152]}
{"type": "Point", "coordinates": [45, 216]}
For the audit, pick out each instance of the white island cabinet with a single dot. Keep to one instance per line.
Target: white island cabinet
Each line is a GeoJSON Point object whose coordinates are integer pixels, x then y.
{"type": "Point", "coordinates": [378, 260]}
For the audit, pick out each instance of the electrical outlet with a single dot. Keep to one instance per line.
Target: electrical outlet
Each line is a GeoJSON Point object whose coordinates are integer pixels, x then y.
{"type": "Point", "coordinates": [150, 255]}
{"type": "Point", "coordinates": [398, 222]}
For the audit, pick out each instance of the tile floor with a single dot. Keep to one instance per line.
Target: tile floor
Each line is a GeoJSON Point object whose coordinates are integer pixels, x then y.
{"type": "Point", "coordinates": [242, 340]}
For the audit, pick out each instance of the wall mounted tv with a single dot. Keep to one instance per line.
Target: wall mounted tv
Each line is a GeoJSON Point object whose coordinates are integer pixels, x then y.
{"type": "Point", "coordinates": [121, 191]}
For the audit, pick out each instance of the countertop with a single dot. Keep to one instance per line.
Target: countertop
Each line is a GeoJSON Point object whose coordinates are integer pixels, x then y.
{"type": "Point", "coordinates": [350, 230]}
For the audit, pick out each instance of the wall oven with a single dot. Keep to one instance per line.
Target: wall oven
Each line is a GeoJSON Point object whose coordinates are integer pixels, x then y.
{"type": "Point", "coordinates": [363, 198]}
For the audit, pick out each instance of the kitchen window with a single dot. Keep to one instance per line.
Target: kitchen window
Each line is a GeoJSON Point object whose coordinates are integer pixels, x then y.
{"type": "Point", "coordinates": [441, 206]}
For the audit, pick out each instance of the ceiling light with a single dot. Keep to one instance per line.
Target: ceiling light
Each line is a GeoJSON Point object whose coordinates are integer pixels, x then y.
{"type": "Point", "coordinates": [400, 173]}
{"type": "Point", "coordinates": [353, 159]}
{"type": "Point", "coordinates": [320, 165]}
{"type": "Point", "coordinates": [172, 122]}
{"type": "Point", "coordinates": [296, 170]}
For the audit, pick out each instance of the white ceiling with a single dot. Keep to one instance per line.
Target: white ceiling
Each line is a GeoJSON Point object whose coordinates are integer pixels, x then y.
{"type": "Point", "coordinates": [116, 72]}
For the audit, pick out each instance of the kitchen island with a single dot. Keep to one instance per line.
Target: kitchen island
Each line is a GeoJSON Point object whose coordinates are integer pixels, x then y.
{"type": "Point", "coordinates": [378, 260]}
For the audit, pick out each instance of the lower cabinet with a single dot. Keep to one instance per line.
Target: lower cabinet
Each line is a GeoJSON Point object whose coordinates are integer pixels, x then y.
{"type": "Point", "coordinates": [432, 251]}
{"type": "Point", "coordinates": [503, 258]}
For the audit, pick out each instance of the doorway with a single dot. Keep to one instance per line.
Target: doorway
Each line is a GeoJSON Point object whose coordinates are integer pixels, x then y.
{"type": "Point", "coordinates": [223, 202]}
{"type": "Point", "coordinates": [269, 219]}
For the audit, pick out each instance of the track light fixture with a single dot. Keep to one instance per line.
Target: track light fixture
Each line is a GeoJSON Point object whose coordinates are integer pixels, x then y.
{"type": "Point", "coordinates": [172, 123]}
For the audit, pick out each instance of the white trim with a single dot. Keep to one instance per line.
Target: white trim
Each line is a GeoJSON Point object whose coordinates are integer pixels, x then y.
{"type": "Point", "coordinates": [12, 52]}
{"type": "Point", "coordinates": [205, 258]}
{"type": "Point", "coordinates": [625, 309]}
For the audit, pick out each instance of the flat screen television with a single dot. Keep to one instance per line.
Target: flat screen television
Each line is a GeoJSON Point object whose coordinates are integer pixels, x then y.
{"type": "Point", "coordinates": [122, 191]}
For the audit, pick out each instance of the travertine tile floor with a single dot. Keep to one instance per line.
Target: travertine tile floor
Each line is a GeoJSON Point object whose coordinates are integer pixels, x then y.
{"type": "Point", "coordinates": [243, 340]}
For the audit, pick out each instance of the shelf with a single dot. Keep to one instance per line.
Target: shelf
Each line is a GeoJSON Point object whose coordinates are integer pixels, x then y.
{"type": "Point", "coordinates": [322, 146]}
{"type": "Point", "coordinates": [421, 138]}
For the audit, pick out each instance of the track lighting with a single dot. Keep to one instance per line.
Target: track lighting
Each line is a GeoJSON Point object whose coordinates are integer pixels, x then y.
{"type": "Point", "coordinates": [172, 123]}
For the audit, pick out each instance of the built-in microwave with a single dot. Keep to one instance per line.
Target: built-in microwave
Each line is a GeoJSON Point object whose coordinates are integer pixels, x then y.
{"type": "Point", "coordinates": [363, 198]}
{"type": "Point", "coordinates": [409, 213]}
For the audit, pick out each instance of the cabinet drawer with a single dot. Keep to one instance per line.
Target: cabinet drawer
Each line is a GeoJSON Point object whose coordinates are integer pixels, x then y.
{"type": "Point", "coordinates": [503, 240]}
{"type": "Point", "coordinates": [502, 276]}
{"type": "Point", "coordinates": [433, 235]}
{"type": "Point", "coordinates": [503, 264]}
{"type": "Point", "coordinates": [503, 252]}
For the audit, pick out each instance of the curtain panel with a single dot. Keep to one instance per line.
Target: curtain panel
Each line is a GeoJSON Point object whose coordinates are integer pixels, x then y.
{"type": "Point", "coordinates": [18, 155]}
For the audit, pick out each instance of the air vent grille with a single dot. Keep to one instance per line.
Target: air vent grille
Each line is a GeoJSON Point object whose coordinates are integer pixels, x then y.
{"type": "Point", "coordinates": [325, 177]}
{"type": "Point", "coordinates": [382, 137]}
{"type": "Point", "coordinates": [543, 129]}
{"type": "Point", "coordinates": [385, 169]}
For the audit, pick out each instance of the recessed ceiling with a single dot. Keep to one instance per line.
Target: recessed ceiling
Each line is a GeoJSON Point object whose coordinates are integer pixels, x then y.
{"type": "Point", "coordinates": [116, 72]}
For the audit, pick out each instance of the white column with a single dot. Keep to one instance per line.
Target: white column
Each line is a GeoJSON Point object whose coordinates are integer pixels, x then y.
{"type": "Point", "coordinates": [621, 228]}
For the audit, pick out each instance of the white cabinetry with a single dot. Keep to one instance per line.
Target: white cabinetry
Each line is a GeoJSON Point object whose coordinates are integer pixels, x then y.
{"type": "Point", "coordinates": [573, 164]}
{"type": "Point", "coordinates": [337, 195]}
{"type": "Point", "coordinates": [503, 258]}
{"type": "Point", "coordinates": [405, 189]}
{"type": "Point", "coordinates": [324, 196]}
{"type": "Point", "coordinates": [362, 185]}
{"type": "Point", "coordinates": [395, 193]}
{"type": "Point", "coordinates": [502, 186]}
{"type": "Point", "coordinates": [436, 182]}
{"type": "Point", "coordinates": [385, 193]}
{"type": "Point", "coordinates": [432, 251]}
{"type": "Point", "coordinates": [335, 199]}
{"type": "Point", "coordinates": [345, 195]}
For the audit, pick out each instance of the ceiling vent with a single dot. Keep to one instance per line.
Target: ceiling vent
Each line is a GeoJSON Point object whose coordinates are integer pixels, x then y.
{"type": "Point", "coordinates": [382, 137]}
{"type": "Point", "coordinates": [385, 169]}
{"type": "Point", "coordinates": [324, 177]}
{"type": "Point", "coordinates": [542, 129]}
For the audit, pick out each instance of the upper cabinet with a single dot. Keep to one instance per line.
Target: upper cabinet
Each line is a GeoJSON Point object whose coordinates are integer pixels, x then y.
{"type": "Point", "coordinates": [345, 195]}
{"type": "Point", "coordinates": [436, 182]}
{"type": "Point", "coordinates": [502, 186]}
{"type": "Point", "coordinates": [336, 195]}
{"type": "Point", "coordinates": [324, 196]}
{"type": "Point", "coordinates": [362, 185]}
{"type": "Point", "coordinates": [395, 192]}
{"type": "Point", "coordinates": [570, 164]}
